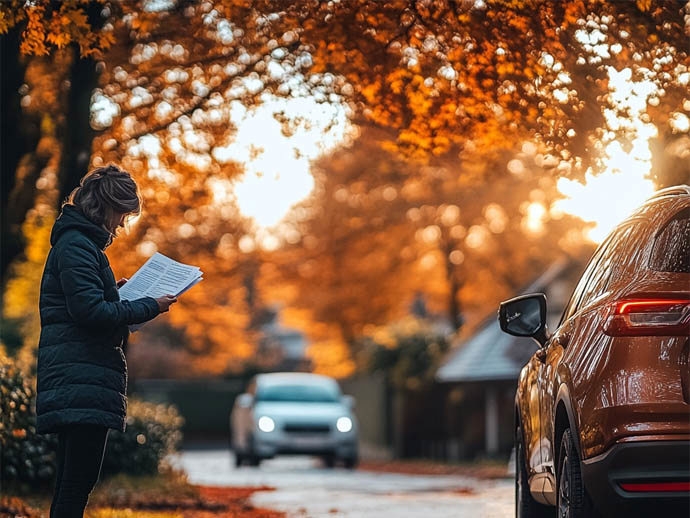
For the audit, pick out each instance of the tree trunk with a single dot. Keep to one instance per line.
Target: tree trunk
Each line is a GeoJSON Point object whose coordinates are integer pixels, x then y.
{"type": "Point", "coordinates": [78, 134]}
{"type": "Point", "coordinates": [454, 286]}
{"type": "Point", "coordinates": [12, 78]}
{"type": "Point", "coordinates": [456, 319]}
{"type": "Point", "coordinates": [19, 135]}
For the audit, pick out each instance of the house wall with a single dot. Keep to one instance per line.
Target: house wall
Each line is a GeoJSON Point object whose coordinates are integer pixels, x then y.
{"type": "Point", "coordinates": [374, 411]}
{"type": "Point", "coordinates": [466, 420]}
{"type": "Point", "coordinates": [449, 421]}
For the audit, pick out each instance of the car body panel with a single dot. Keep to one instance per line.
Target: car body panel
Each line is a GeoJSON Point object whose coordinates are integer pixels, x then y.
{"type": "Point", "coordinates": [614, 389]}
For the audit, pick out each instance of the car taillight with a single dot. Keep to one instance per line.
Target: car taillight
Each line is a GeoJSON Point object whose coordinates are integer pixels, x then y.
{"type": "Point", "coordinates": [649, 317]}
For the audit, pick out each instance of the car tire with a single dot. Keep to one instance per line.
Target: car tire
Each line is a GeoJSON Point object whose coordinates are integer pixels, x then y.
{"type": "Point", "coordinates": [249, 456]}
{"type": "Point", "coordinates": [329, 461]}
{"type": "Point", "coordinates": [239, 459]}
{"type": "Point", "coordinates": [350, 462]}
{"type": "Point", "coordinates": [572, 500]}
{"type": "Point", "coordinates": [525, 504]}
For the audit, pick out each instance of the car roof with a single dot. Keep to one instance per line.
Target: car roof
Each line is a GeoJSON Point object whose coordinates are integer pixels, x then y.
{"type": "Point", "coordinates": [662, 201]}
{"type": "Point", "coordinates": [676, 190]}
{"type": "Point", "coordinates": [293, 378]}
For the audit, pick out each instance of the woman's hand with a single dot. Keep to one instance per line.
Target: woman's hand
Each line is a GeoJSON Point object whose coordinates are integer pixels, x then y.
{"type": "Point", "coordinates": [121, 282]}
{"type": "Point", "coordinates": [165, 302]}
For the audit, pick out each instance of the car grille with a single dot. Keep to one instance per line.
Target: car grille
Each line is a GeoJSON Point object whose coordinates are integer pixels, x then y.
{"type": "Point", "coordinates": [306, 428]}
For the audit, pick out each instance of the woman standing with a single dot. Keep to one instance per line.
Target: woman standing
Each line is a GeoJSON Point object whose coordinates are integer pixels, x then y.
{"type": "Point", "coordinates": [82, 373]}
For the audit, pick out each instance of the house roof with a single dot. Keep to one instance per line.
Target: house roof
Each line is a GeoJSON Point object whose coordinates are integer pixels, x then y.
{"type": "Point", "coordinates": [490, 354]}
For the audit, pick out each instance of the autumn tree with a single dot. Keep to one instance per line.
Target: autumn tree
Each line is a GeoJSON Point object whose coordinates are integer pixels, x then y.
{"type": "Point", "coordinates": [474, 76]}
{"type": "Point", "coordinates": [457, 87]}
{"type": "Point", "coordinates": [73, 31]}
{"type": "Point", "coordinates": [379, 232]}
{"type": "Point", "coordinates": [165, 107]}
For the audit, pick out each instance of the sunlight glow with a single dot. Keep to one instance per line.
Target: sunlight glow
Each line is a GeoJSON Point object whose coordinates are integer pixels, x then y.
{"type": "Point", "coordinates": [607, 197]}
{"type": "Point", "coordinates": [277, 155]}
{"type": "Point", "coordinates": [533, 222]}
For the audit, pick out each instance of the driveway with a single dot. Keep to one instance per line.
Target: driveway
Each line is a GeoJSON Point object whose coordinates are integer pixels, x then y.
{"type": "Point", "coordinates": [305, 489]}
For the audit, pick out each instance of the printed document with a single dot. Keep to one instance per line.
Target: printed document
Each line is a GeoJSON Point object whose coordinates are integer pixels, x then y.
{"type": "Point", "coordinates": [160, 276]}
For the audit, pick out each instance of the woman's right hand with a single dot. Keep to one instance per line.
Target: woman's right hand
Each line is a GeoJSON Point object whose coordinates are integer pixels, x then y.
{"type": "Point", "coordinates": [165, 302]}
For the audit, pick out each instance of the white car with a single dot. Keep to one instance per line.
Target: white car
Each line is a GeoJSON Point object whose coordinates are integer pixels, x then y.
{"type": "Point", "coordinates": [293, 413]}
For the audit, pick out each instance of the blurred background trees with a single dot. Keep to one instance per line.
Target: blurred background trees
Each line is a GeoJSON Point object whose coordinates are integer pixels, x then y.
{"type": "Point", "coordinates": [346, 162]}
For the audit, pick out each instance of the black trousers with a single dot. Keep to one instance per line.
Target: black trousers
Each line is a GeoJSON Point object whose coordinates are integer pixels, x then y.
{"type": "Point", "coordinates": [79, 459]}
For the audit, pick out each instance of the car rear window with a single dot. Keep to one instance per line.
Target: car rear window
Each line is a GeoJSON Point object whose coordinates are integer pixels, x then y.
{"type": "Point", "coordinates": [671, 252]}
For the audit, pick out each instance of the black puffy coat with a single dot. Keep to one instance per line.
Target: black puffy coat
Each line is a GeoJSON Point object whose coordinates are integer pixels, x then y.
{"type": "Point", "coordinates": [82, 372]}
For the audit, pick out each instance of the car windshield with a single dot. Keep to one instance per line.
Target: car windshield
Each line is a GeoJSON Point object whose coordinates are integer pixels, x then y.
{"type": "Point", "coordinates": [298, 393]}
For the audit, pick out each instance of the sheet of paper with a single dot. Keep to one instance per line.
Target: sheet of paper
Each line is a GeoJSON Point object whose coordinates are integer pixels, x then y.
{"type": "Point", "coordinates": [160, 276]}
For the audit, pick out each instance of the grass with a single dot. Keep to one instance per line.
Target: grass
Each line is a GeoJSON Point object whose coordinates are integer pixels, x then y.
{"type": "Point", "coordinates": [167, 495]}
{"type": "Point", "coordinates": [168, 489]}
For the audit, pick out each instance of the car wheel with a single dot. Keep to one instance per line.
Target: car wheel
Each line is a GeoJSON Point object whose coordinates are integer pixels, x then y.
{"type": "Point", "coordinates": [350, 462]}
{"type": "Point", "coordinates": [239, 459]}
{"type": "Point", "coordinates": [525, 504]}
{"type": "Point", "coordinates": [249, 456]}
{"type": "Point", "coordinates": [329, 461]}
{"type": "Point", "coordinates": [572, 498]}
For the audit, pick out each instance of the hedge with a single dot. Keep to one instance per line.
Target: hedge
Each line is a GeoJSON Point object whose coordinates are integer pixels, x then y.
{"type": "Point", "coordinates": [27, 459]}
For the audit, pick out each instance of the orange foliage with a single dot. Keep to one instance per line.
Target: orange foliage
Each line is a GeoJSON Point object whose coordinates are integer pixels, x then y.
{"type": "Point", "coordinates": [447, 77]}
{"type": "Point", "coordinates": [50, 24]}
{"type": "Point", "coordinates": [380, 232]}
{"type": "Point", "coordinates": [456, 90]}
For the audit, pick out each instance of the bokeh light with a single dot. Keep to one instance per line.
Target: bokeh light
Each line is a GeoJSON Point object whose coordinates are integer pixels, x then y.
{"type": "Point", "coordinates": [607, 197]}
{"type": "Point", "coordinates": [277, 162]}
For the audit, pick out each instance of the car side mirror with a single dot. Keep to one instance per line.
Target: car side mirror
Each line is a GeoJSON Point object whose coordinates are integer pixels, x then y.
{"type": "Point", "coordinates": [245, 400]}
{"type": "Point", "coordinates": [348, 401]}
{"type": "Point", "coordinates": [525, 316]}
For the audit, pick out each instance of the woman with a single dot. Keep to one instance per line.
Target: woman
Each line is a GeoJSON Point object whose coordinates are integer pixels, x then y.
{"type": "Point", "coordinates": [82, 373]}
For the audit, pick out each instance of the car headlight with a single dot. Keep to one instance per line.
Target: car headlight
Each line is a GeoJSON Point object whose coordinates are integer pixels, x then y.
{"type": "Point", "coordinates": [344, 424]}
{"type": "Point", "coordinates": [266, 424]}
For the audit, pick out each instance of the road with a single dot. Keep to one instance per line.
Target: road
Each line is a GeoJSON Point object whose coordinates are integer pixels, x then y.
{"type": "Point", "coordinates": [305, 489]}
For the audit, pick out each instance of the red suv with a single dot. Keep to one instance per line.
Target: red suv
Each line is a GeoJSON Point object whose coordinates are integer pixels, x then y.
{"type": "Point", "coordinates": [602, 415]}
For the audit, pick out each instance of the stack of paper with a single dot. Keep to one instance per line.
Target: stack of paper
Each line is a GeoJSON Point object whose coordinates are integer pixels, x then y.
{"type": "Point", "coordinates": [160, 276]}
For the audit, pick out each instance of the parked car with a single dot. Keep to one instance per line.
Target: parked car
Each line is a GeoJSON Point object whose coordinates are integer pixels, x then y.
{"type": "Point", "coordinates": [602, 418]}
{"type": "Point", "coordinates": [295, 413]}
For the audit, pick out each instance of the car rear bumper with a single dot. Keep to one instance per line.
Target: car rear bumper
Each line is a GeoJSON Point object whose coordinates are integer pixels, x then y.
{"type": "Point", "coordinates": [638, 478]}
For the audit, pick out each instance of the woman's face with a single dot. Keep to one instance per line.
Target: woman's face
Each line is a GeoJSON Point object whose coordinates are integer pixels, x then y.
{"type": "Point", "coordinates": [117, 220]}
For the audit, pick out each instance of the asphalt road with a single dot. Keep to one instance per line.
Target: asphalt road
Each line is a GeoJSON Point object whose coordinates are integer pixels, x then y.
{"type": "Point", "coordinates": [305, 489]}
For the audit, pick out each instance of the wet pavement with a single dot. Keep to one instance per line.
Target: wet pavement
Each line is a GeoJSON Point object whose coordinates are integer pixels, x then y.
{"type": "Point", "coordinates": [304, 488]}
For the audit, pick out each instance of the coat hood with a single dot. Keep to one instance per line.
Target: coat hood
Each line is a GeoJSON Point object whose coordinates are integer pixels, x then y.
{"type": "Point", "coordinates": [72, 218]}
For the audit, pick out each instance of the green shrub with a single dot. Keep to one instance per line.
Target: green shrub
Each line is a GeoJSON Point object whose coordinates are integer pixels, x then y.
{"type": "Point", "coordinates": [27, 459]}
{"type": "Point", "coordinates": [153, 431]}
{"type": "Point", "coordinates": [409, 352]}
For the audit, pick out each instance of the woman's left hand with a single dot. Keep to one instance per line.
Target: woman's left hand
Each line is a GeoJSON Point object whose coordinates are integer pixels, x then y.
{"type": "Point", "coordinates": [121, 282]}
